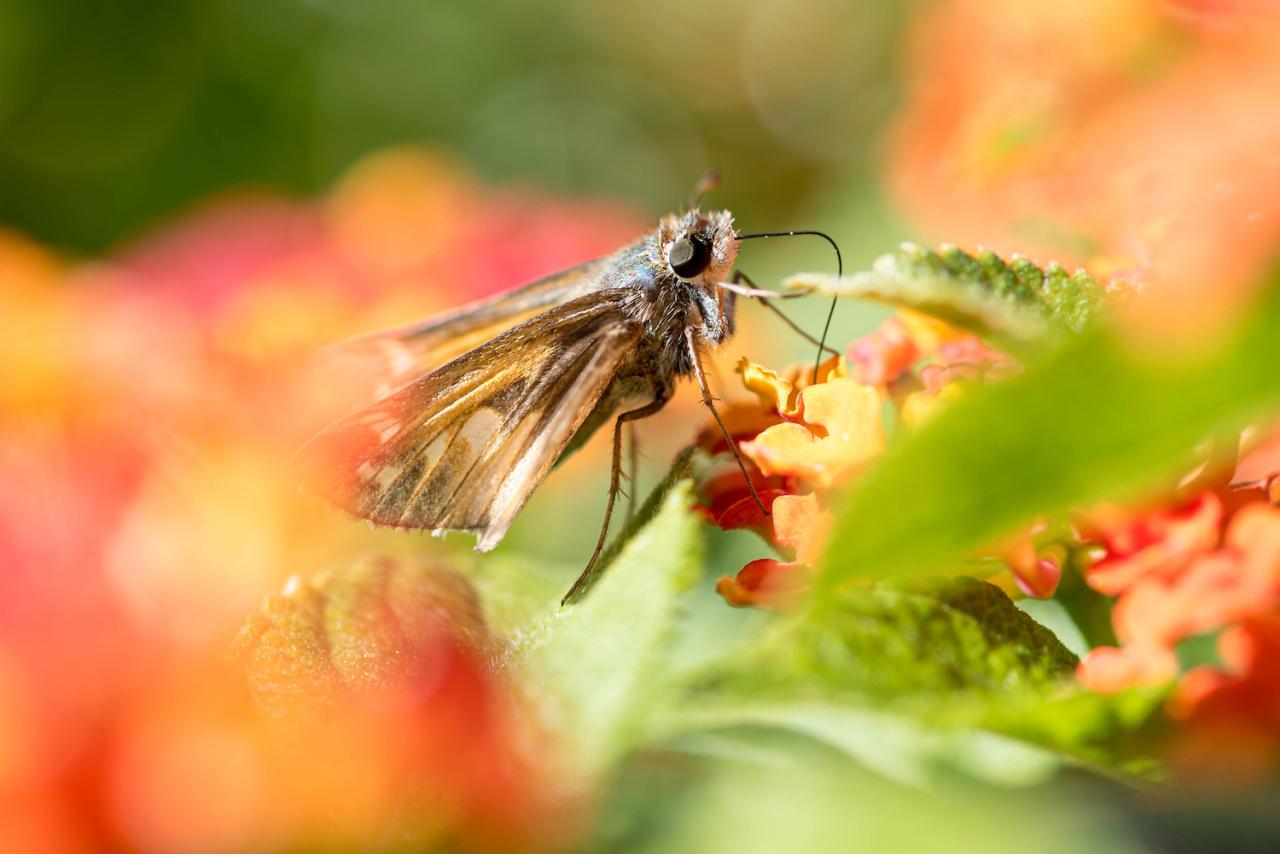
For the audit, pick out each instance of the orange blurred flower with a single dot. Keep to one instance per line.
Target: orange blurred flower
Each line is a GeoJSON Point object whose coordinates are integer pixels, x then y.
{"type": "Point", "coordinates": [1176, 574]}
{"type": "Point", "coordinates": [1135, 137]}
{"type": "Point", "coordinates": [1110, 669]}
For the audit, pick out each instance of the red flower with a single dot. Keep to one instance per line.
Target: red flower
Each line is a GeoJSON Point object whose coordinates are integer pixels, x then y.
{"type": "Point", "coordinates": [1158, 542]}
{"type": "Point", "coordinates": [1230, 717]}
{"type": "Point", "coordinates": [886, 354]}
{"type": "Point", "coordinates": [1035, 571]}
{"type": "Point", "coordinates": [1174, 580]}
{"type": "Point", "coordinates": [798, 524]}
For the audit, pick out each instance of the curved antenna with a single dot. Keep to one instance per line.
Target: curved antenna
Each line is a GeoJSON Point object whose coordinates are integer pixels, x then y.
{"type": "Point", "coordinates": [839, 272]}
{"type": "Point", "coordinates": [708, 182]}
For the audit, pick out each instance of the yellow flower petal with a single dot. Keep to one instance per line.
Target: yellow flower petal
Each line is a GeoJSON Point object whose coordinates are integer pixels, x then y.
{"type": "Point", "coordinates": [842, 431]}
{"type": "Point", "coordinates": [774, 392]}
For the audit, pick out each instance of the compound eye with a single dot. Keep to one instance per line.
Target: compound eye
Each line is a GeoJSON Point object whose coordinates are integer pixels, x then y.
{"type": "Point", "coordinates": [689, 256]}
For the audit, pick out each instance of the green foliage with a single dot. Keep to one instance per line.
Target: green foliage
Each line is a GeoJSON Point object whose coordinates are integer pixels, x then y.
{"type": "Point", "coordinates": [820, 804]}
{"type": "Point", "coordinates": [906, 749]}
{"type": "Point", "coordinates": [1115, 733]}
{"type": "Point", "coordinates": [947, 664]}
{"type": "Point", "coordinates": [1015, 303]}
{"type": "Point", "coordinates": [884, 642]}
{"type": "Point", "coordinates": [679, 470]}
{"type": "Point", "coordinates": [597, 668]}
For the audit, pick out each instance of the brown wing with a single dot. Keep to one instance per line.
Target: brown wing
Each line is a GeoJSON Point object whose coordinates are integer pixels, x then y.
{"type": "Point", "coordinates": [371, 366]}
{"type": "Point", "coordinates": [463, 447]}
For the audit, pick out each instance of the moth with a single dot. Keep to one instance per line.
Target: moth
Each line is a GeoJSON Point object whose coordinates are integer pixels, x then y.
{"type": "Point", "coordinates": [526, 377]}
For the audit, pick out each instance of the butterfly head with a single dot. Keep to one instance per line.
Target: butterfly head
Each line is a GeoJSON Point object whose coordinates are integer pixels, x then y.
{"type": "Point", "coordinates": [698, 247]}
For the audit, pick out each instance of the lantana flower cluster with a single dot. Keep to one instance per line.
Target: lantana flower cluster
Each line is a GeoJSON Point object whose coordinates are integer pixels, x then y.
{"type": "Point", "coordinates": [1203, 568]}
{"type": "Point", "coordinates": [813, 429]}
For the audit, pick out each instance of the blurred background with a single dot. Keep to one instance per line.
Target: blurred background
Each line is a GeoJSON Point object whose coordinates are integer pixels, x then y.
{"type": "Point", "coordinates": [194, 196]}
{"type": "Point", "coordinates": [116, 114]}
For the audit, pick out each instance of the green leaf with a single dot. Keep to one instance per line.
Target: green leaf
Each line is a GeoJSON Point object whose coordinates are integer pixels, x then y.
{"type": "Point", "coordinates": [1112, 733]}
{"type": "Point", "coordinates": [952, 659]}
{"type": "Point", "coordinates": [596, 669]}
{"type": "Point", "coordinates": [680, 469]}
{"type": "Point", "coordinates": [886, 642]}
{"type": "Point", "coordinates": [1013, 303]}
{"type": "Point", "coordinates": [515, 590]}
{"type": "Point", "coordinates": [1096, 419]}
{"type": "Point", "coordinates": [898, 747]}
{"type": "Point", "coordinates": [1050, 614]}
{"type": "Point", "coordinates": [828, 805]}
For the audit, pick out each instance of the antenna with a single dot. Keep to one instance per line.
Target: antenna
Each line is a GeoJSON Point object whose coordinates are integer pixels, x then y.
{"type": "Point", "coordinates": [839, 272]}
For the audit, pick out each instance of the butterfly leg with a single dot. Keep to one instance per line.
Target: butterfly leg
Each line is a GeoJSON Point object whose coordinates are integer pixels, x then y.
{"type": "Point", "coordinates": [633, 465]}
{"type": "Point", "coordinates": [695, 358]}
{"type": "Point", "coordinates": [615, 481]}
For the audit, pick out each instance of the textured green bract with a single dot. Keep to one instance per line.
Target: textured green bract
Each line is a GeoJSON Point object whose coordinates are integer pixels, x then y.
{"type": "Point", "coordinates": [1010, 302]}
{"type": "Point", "coordinates": [349, 633]}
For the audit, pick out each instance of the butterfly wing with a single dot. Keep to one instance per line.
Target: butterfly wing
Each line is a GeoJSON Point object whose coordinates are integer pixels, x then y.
{"type": "Point", "coordinates": [462, 447]}
{"type": "Point", "coordinates": [371, 366]}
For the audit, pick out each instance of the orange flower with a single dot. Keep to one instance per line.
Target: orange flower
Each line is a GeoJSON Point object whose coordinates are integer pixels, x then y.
{"type": "Point", "coordinates": [1210, 565]}
{"type": "Point", "coordinates": [1235, 582]}
{"type": "Point", "coordinates": [1230, 718]}
{"type": "Point", "coordinates": [805, 439]}
{"type": "Point", "coordinates": [799, 440]}
{"type": "Point", "coordinates": [837, 433]}
{"type": "Point", "coordinates": [1260, 468]}
{"type": "Point", "coordinates": [1108, 669]}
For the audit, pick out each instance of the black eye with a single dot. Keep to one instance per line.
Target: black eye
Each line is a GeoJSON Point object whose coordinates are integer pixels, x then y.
{"type": "Point", "coordinates": [689, 256]}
